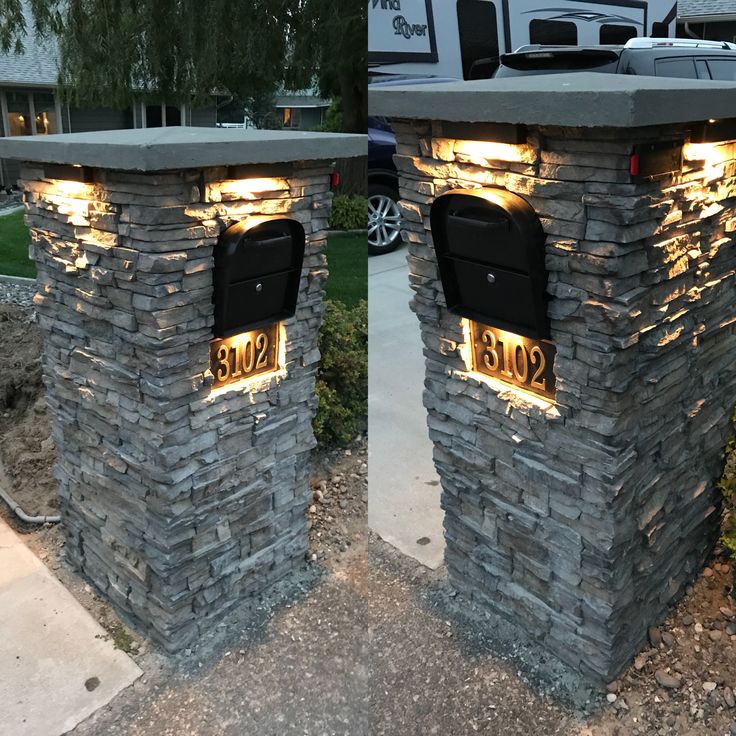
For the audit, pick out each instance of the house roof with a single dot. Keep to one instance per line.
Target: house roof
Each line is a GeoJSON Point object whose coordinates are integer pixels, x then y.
{"type": "Point", "coordinates": [305, 100]}
{"type": "Point", "coordinates": [688, 9]}
{"type": "Point", "coordinates": [37, 66]}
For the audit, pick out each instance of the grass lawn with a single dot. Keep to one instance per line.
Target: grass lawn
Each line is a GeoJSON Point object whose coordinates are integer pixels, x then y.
{"type": "Point", "coordinates": [347, 259]}
{"type": "Point", "coordinates": [14, 239]}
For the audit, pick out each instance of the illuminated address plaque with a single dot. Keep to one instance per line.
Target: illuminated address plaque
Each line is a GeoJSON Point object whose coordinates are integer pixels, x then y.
{"type": "Point", "coordinates": [242, 356]}
{"type": "Point", "coordinates": [520, 361]}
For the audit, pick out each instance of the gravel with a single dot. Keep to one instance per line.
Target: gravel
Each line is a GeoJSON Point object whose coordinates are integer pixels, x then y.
{"type": "Point", "coordinates": [17, 293]}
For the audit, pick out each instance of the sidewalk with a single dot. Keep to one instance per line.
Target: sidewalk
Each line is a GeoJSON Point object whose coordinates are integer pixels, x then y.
{"type": "Point", "coordinates": [57, 665]}
{"type": "Point", "coordinates": [404, 491]}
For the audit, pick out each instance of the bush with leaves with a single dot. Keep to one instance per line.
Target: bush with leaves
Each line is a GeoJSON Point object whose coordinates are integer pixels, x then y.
{"type": "Point", "coordinates": [332, 122]}
{"type": "Point", "coordinates": [727, 486]}
{"type": "Point", "coordinates": [349, 213]}
{"type": "Point", "coordinates": [342, 381]}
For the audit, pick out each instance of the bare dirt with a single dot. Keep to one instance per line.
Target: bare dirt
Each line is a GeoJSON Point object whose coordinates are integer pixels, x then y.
{"type": "Point", "coordinates": [26, 449]}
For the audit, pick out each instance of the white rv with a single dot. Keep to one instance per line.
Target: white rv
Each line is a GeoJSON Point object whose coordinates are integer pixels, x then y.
{"type": "Point", "coordinates": [463, 39]}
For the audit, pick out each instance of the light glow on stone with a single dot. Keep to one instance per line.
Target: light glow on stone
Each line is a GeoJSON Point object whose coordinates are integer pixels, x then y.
{"type": "Point", "coordinates": [713, 156]}
{"type": "Point", "coordinates": [67, 188]}
{"type": "Point", "coordinates": [247, 188]}
{"type": "Point", "coordinates": [490, 150]}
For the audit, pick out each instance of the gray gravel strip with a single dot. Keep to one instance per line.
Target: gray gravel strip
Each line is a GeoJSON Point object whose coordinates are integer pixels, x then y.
{"type": "Point", "coordinates": [16, 292]}
{"type": "Point", "coordinates": [439, 667]}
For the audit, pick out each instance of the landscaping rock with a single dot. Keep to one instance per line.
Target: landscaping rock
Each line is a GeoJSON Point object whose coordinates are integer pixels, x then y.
{"type": "Point", "coordinates": [666, 680]}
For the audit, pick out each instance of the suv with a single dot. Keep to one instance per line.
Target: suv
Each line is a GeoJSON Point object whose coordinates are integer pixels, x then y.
{"type": "Point", "coordinates": [686, 58]}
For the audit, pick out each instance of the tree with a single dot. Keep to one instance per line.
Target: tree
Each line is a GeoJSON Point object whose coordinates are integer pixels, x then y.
{"type": "Point", "coordinates": [115, 51]}
{"type": "Point", "coordinates": [332, 38]}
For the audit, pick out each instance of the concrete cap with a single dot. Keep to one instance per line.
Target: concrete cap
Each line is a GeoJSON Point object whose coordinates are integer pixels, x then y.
{"type": "Point", "coordinates": [160, 149]}
{"type": "Point", "coordinates": [585, 100]}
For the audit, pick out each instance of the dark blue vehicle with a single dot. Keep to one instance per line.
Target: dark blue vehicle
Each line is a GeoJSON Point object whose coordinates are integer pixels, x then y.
{"type": "Point", "coordinates": [384, 216]}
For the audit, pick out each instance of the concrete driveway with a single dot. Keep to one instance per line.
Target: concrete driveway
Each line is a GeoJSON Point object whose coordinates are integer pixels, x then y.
{"type": "Point", "coordinates": [403, 487]}
{"type": "Point", "coordinates": [57, 664]}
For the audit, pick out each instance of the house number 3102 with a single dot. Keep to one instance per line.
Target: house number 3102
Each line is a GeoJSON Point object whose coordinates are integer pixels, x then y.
{"type": "Point", "coordinates": [242, 356]}
{"type": "Point", "coordinates": [514, 359]}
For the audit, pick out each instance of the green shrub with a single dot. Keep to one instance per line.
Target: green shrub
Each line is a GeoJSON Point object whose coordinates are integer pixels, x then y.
{"type": "Point", "coordinates": [342, 381]}
{"type": "Point", "coordinates": [333, 117]}
{"type": "Point", "coordinates": [727, 486]}
{"type": "Point", "coordinates": [349, 213]}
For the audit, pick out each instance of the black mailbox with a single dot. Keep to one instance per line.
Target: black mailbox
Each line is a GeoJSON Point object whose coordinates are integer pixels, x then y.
{"type": "Point", "coordinates": [257, 273]}
{"type": "Point", "coordinates": [490, 251]}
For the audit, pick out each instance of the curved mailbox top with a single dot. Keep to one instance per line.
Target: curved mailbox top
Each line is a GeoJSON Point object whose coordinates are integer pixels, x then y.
{"type": "Point", "coordinates": [490, 252]}
{"type": "Point", "coordinates": [490, 226]}
{"type": "Point", "coordinates": [244, 252]}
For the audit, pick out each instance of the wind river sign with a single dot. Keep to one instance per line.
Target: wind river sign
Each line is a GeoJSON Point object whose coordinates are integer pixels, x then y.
{"type": "Point", "coordinates": [401, 30]}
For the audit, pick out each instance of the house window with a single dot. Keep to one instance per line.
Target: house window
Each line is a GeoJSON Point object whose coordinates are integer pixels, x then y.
{"type": "Point", "coordinates": [292, 117]}
{"type": "Point", "coordinates": [19, 113]}
{"type": "Point", "coordinates": [29, 113]}
{"type": "Point", "coordinates": [154, 116]}
{"type": "Point", "coordinates": [478, 28]}
{"type": "Point", "coordinates": [553, 32]}
{"type": "Point", "coordinates": [44, 107]}
{"type": "Point", "coordinates": [162, 116]}
{"type": "Point", "coordinates": [173, 115]}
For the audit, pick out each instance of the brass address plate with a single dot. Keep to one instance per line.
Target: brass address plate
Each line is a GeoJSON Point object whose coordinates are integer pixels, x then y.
{"type": "Point", "coordinates": [513, 359]}
{"type": "Point", "coordinates": [242, 356]}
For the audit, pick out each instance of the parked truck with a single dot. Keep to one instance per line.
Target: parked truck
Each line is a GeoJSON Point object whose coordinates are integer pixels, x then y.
{"type": "Point", "coordinates": [463, 39]}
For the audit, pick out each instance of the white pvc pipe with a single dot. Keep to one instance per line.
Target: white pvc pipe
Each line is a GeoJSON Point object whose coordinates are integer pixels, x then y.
{"type": "Point", "coordinates": [23, 516]}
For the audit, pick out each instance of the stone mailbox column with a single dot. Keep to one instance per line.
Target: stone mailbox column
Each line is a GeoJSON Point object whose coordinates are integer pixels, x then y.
{"type": "Point", "coordinates": [579, 494]}
{"type": "Point", "coordinates": [182, 482]}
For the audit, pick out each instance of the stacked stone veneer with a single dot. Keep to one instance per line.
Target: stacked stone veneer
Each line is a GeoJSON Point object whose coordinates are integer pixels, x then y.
{"type": "Point", "coordinates": [176, 500]}
{"type": "Point", "coordinates": [581, 521]}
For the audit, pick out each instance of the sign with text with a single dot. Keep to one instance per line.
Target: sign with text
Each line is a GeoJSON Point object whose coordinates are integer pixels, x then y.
{"type": "Point", "coordinates": [242, 356]}
{"type": "Point", "coordinates": [519, 361]}
{"type": "Point", "coordinates": [400, 30]}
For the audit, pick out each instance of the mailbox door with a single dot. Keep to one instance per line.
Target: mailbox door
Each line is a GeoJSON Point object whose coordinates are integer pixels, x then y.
{"type": "Point", "coordinates": [264, 296]}
{"type": "Point", "coordinates": [490, 252]}
{"type": "Point", "coordinates": [487, 290]}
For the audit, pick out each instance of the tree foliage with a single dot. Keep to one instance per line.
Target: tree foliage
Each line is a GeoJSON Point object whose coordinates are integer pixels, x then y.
{"type": "Point", "coordinates": [332, 37]}
{"type": "Point", "coordinates": [113, 52]}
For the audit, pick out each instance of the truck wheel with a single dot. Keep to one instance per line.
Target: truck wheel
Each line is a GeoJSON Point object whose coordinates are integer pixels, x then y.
{"type": "Point", "coordinates": [384, 219]}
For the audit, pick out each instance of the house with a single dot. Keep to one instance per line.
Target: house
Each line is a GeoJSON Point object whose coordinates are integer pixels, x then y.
{"type": "Point", "coordinates": [302, 110]}
{"type": "Point", "coordinates": [711, 19]}
{"type": "Point", "coordinates": [31, 105]}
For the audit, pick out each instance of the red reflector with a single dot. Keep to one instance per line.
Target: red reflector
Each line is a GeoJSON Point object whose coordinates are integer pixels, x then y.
{"type": "Point", "coordinates": [335, 180]}
{"type": "Point", "coordinates": [634, 165]}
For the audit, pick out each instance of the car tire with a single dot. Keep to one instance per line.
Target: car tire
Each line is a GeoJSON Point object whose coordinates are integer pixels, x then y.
{"type": "Point", "coordinates": [384, 219]}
